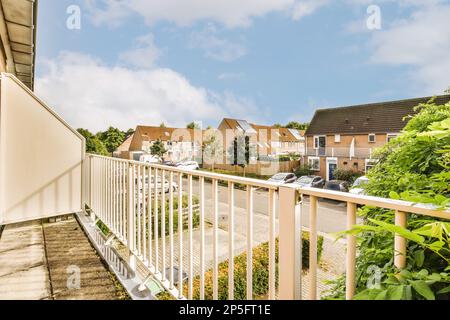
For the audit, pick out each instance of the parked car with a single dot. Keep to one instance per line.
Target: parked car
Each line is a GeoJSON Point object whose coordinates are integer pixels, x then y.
{"type": "Point", "coordinates": [148, 158]}
{"type": "Point", "coordinates": [357, 187]}
{"type": "Point", "coordinates": [151, 185]}
{"type": "Point", "coordinates": [188, 165]}
{"type": "Point", "coordinates": [337, 185]}
{"type": "Point", "coordinates": [283, 178]}
{"type": "Point", "coordinates": [310, 181]}
{"type": "Point", "coordinates": [169, 163]}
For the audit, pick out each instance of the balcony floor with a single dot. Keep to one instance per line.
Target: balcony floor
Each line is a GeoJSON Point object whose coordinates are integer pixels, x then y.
{"type": "Point", "coordinates": [37, 262]}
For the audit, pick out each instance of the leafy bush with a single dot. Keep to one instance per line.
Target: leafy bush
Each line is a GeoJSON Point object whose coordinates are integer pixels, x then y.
{"type": "Point", "coordinates": [347, 175]}
{"type": "Point", "coordinates": [413, 167]}
{"type": "Point", "coordinates": [260, 272]}
{"type": "Point", "coordinates": [303, 170]}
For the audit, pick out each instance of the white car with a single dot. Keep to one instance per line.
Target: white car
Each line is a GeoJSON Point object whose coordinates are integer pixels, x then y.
{"type": "Point", "coordinates": [188, 165]}
{"type": "Point", "coordinates": [158, 184]}
{"type": "Point", "coordinates": [148, 158]}
{"type": "Point", "coordinates": [358, 184]}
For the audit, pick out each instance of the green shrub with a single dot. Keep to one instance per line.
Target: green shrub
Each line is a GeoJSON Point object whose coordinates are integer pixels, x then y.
{"type": "Point", "coordinates": [284, 158]}
{"type": "Point", "coordinates": [347, 175]}
{"type": "Point", "coordinates": [303, 170]}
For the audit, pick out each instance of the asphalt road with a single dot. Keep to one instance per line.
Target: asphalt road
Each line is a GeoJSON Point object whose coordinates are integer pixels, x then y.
{"type": "Point", "coordinates": [331, 214]}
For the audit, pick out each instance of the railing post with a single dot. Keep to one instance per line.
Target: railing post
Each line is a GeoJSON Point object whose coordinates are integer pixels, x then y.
{"type": "Point", "coordinates": [399, 241]}
{"type": "Point", "coordinates": [131, 220]}
{"type": "Point", "coordinates": [289, 244]}
{"type": "Point", "coordinates": [351, 253]}
{"type": "Point", "coordinates": [91, 188]}
{"type": "Point", "coordinates": [313, 248]}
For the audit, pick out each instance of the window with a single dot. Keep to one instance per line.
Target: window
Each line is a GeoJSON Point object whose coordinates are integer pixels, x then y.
{"type": "Point", "coordinates": [372, 137]}
{"type": "Point", "coordinates": [391, 136]}
{"type": "Point", "coordinates": [319, 142]}
{"type": "Point", "coordinates": [137, 155]}
{"type": "Point", "coordinates": [320, 145]}
{"type": "Point", "coordinates": [370, 163]}
{"type": "Point", "coordinates": [337, 138]}
{"type": "Point", "coordinates": [314, 163]}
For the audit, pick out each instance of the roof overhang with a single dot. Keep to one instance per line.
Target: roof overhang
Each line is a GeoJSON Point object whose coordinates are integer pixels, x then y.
{"type": "Point", "coordinates": [18, 20]}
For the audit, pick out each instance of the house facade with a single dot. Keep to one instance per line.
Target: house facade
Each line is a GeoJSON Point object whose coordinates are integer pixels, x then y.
{"type": "Point", "coordinates": [264, 140]}
{"type": "Point", "coordinates": [347, 137]}
{"type": "Point", "coordinates": [181, 143]}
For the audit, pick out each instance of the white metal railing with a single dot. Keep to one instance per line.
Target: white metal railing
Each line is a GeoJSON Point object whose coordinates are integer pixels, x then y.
{"type": "Point", "coordinates": [122, 195]}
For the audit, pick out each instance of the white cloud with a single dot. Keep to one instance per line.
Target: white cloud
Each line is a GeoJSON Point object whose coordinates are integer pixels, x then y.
{"type": "Point", "coordinates": [215, 47]}
{"type": "Point", "coordinates": [231, 76]}
{"type": "Point", "coordinates": [144, 55]}
{"type": "Point", "coordinates": [421, 41]}
{"type": "Point", "coordinates": [90, 94]}
{"type": "Point", "coordinates": [307, 7]}
{"type": "Point", "coordinates": [230, 13]}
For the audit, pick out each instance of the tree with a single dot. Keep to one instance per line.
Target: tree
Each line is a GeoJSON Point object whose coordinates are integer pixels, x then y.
{"type": "Point", "coordinates": [93, 143]}
{"type": "Point", "coordinates": [162, 125]}
{"type": "Point", "coordinates": [112, 138]}
{"type": "Point", "coordinates": [128, 133]}
{"type": "Point", "coordinates": [241, 151]}
{"type": "Point", "coordinates": [277, 125]}
{"type": "Point", "coordinates": [193, 125]}
{"type": "Point", "coordinates": [157, 149]}
{"type": "Point", "coordinates": [297, 125]}
{"type": "Point", "coordinates": [212, 147]}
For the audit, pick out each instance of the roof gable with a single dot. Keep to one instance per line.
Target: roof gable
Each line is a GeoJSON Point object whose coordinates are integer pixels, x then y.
{"type": "Point", "coordinates": [384, 117]}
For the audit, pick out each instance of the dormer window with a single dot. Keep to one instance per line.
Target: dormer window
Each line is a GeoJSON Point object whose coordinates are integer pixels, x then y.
{"type": "Point", "coordinates": [372, 138]}
{"type": "Point", "coordinates": [337, 138]}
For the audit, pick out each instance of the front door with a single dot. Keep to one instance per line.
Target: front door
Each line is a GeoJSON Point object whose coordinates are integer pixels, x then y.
{"type": "Point", "coordinates": [331, 167]}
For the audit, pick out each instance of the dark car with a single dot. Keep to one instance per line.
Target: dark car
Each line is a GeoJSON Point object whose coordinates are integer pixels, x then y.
{"type": "Point", "coordinates": [337, 185]}
{"type": "Point", "coordinates": [283, 178]}
{"type": "Point", "coordinates": [310, 181]}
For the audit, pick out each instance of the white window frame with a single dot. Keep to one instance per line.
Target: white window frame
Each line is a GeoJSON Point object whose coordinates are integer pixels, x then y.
{"type": "Point", "coordinates": [366, 164]}
{"type": "Point", "coordinates": [316, 138]}
{"type": "Point", "coordinates": [391, 135]}
{"type": "Point", "coordinates": [314, 159]}
{"type": "Point", "coordinates": [374, 137]}
{"type": "Point", "coordinates": [337, 138]}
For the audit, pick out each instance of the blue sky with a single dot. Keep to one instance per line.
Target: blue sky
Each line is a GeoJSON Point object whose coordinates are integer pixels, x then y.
{"type": "Point", "coordinates": [269, 61]}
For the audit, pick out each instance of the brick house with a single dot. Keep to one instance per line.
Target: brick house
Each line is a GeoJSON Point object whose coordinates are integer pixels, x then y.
{"type": "Point", "coordinates": [180, 143]}
{"type": "Point", "coordinates": [346, 137]}
{"type": "Point", "coordinates": [267, 140]}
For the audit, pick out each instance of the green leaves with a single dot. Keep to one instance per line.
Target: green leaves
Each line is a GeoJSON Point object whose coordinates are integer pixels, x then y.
{"type": "Point", "coordinates": [445, 290]}
{"type": "Point", "coordinates": [423, 289]}
{"type": "Point", "coordinates": [394, 195]}
{"type": "Point", "coordinates": [396, 293]}
{"type": "Point", "coordinates": [399, 230]}
{"type": "Point", "coordinates": [419, 257]}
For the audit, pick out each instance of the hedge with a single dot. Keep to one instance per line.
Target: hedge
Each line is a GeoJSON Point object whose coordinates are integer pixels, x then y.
{"type": "Point", "coordinates": [260, 273]}
{"type": "Point", "coordinates": [347, 175]}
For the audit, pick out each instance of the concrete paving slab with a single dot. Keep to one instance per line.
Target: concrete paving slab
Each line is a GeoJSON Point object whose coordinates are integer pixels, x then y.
{"type": "Point", "coordinates": [23, 271]}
